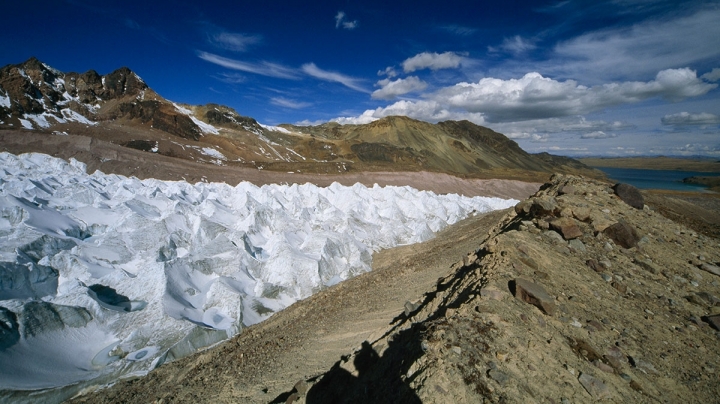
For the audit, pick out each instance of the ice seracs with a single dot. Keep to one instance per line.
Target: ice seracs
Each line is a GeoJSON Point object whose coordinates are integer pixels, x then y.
{"type": "Point", "coordinates": [130, 273]}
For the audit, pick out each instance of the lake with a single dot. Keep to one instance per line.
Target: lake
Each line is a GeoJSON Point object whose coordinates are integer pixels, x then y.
{"type": "Point", "coordinates": [655, 179]}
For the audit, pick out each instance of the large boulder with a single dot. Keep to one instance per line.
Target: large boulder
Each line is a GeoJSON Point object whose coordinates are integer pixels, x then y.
{"type": "Point", "coordinates": [630, 195]}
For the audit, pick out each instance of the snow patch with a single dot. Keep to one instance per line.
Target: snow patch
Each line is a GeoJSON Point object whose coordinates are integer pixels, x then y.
{"type": "Point", "coordinates": [5, 101]}
{"type": "Point", "coordinates": [205, 127]}
{"type": "Point", "coordinates": [26, 124]}
{"type": "Point", "coordinates": [276, 129]}
{"type": "Point", "coordinates": [73, 116]}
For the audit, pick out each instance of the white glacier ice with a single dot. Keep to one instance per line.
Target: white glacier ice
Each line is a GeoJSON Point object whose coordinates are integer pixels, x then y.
{"type": "Point", "coordinates": [103, 276]}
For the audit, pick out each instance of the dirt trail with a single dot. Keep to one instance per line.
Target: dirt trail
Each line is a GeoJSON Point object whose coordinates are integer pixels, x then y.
{"type": "Point", "coordinates": [262, 364]}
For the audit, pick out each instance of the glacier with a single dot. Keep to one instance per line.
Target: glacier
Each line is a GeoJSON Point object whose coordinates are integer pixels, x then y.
{"type": "Point", "coordinates": [104, 276]}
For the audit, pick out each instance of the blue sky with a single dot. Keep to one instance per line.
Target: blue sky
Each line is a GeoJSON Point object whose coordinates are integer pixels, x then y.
{"type": "Point", "coordinates": [622, 77]}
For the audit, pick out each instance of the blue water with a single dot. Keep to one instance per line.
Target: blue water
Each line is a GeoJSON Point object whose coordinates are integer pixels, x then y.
{"type": "Point", "coordinates": [655, 179]}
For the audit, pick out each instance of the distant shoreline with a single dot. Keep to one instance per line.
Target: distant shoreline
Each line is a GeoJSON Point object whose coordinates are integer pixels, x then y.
{"type": "Point", "coordinates": [655, 163]}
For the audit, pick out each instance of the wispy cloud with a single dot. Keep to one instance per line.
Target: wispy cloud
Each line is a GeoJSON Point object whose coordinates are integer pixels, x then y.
{"type": "Point", "coordinates": [516, 45]}
{"type": "Point", "coordinates": [312, 70]}
{"type": "Point", "coordinates": [687, 119]}
{"type": "Point", "coordinates": [432, 61]}
{"type": "Point", "coordinates": [233, 41]}
{"type": "Point", "coordinates": [636, 51]}
{"type": "Point", "coordinates": [231, 78]}
{"type": "Point", "coordinates": [287, 103]}
{"type": "Point", "coordinates": [597, 135]}
{"type": "Point", "coordinates": [458, 30]}
{"type": "Point", "coordinates": [263, 68]}
{"type": "Point", "coordinates": [341, 22]}
{"type": "Point", "coordinates": [132, 24]}
{"type": "Point", "coordinates": [391, 89]}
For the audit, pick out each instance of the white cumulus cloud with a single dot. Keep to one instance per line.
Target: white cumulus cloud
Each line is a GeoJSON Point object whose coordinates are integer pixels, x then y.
{"type": "Point", "coordinates": [534, 96]}
{"type": "Point", "coordinates": [687, 118]}
{"type": "Point", "coordinates": [432, 61]}
{"type": "Point", "coordinates": [390, 89]}
{"type": "Point", "coordinates": [713, 75]}
{"type": "Point", "coordinates": [430, 111]}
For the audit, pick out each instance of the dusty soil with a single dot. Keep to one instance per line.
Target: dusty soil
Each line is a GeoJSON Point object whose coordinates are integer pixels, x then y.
{"type": "Point", "coordinates": [112, 158]}
{"type": "Point", "coordinates": [699, 211]}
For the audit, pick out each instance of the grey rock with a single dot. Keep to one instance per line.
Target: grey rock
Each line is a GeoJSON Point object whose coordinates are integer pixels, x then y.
{"type": "Point", "coordinates": [594, 386]}
{"type": "Point", "coordinates": [647, 265]}
{"type": "Point", "coordinates": [710, 268]}
{"type": "Point", "coordinates": [630, 195]}
{"type": "Point", "coordinates": [498, 376]}
{"type": "Point", "coordinates": [577, 245]}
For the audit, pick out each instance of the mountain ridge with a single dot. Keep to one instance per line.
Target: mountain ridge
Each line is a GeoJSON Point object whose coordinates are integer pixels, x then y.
{"type": "Point", "coordinates": [121, 108]}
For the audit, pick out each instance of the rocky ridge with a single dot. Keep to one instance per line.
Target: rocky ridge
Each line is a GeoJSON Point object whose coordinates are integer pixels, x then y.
{"type": "Point", "coordinates": [574, 297]}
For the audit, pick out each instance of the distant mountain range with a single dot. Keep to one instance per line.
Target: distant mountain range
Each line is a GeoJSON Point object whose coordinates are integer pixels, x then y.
{"type": "Point", "coordinates": [119, 107]}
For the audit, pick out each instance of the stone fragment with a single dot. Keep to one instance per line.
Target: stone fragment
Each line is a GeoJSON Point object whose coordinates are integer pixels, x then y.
{"type": "Point", "coordinates": [600, 223]}
{"type": "Point", "coordinates": [594, 265]}
{"type": "Point", "coordinates": [647, 265]}
{"type": "Point", "coordinates": [623, 234]}
{"type": "Point", "coordinates": [537, 207]}
{"type": "Point", "coordinates": [534, 294]}
{"type": "Point", "coordinates": [630, 195]}
{"type": "Point", "coordinates": [581, 214]}
{"type": "Point", "coordinates": [714, 321]}
{"type": "Point", "coordinates": [577, 245]}
{"type": "Point", "coordinates": [710, 268]}
{"type": "Point", "coordinates": [498, 376]}
{"type": "Point", "coordinates": [566, 212]}
{"type": "Point", "coordinates": [554, 237]}
{"type": "Point", "coordinates": [567, 227]}
{"type": "Point", "coordinates": [567, 190]}
{"type": "Point", "coordinates": [603, 366]}
{"type": "Point", "coordinates": [301, 387]}
{"type": "Point", "coordinates": [594, 386]}
{"type": "Point", "coordinates": [293, 398]}
{"type": "Point", "coordinates": [620, 287]}
{"type": "Point", "coordinates": [493, 294]}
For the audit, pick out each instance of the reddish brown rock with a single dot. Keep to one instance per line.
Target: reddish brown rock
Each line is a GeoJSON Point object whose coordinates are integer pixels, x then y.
{"type": "Point", "coordinates": [630, 195]}
{"type": "Point", "coordinates": [623, 234]}
{"type": "Point", "coordinates": [534, 294]}
{"type": "Point", "coordinates": [567, 227]}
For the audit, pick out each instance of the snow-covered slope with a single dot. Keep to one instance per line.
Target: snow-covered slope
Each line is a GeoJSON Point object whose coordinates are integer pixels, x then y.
{"type": "Point", "coordinates": [103, 276]}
